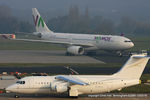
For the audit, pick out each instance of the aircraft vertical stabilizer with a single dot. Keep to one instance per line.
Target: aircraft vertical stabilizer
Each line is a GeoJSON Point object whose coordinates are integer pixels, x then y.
{"type": "Point", "coordinates": [39, 22]}
{"type": "Point", "coordinates": [134, 67]}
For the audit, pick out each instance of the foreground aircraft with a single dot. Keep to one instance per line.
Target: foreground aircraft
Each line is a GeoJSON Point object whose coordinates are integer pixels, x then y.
{"type": "Point", "coordinates": [75, 85]}
{"type": "Point", "coordinates": [77, 43]}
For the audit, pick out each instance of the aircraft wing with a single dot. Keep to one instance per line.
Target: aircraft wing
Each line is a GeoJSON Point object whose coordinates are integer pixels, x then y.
{"type": "Point", "coordinates": [71, 79]}
{"type": "Point", "coordinates": [58, 42]}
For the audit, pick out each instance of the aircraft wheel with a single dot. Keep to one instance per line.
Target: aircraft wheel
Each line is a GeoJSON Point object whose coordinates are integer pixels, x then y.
{"type": "Point", "coordinates": [73, 96]}
{"type": "Point", "coordinates": [16, 96]}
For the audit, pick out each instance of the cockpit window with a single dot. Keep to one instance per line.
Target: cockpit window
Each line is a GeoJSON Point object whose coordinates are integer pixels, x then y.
{"type": "Point", "coordinates": [23, 82]}
{"type": "Point", "coordinates": [20, 82]}
{"type": "Point", "coordinates": [127, 41]}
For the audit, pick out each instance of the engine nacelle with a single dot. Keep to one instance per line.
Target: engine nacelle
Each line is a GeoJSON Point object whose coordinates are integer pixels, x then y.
{"type": "Point", "coordinates": [62, 88]}
{"type": "Point", "coordinates": [59, 87]}
{"type": "Point", "coordinates": [76, 50]}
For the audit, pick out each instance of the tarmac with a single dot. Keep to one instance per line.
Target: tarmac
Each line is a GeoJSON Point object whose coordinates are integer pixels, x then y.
{"type": "Point", "coordinates": [5, 83]}
{"type": "Point", "coordinates": [10, 96]}
{"type": "Point", "coordinates": [42, 56]}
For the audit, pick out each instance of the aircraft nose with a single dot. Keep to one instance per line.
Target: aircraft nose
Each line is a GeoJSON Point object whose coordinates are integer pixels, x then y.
{"type": "Point", "coordinates": [9, 89]}
{"type": "Point", "coordinates": [131, 44]}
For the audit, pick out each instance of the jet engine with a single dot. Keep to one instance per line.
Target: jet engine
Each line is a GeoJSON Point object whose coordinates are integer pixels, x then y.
{"type": "Point", "coordinates": [59, 87]}
{"type": "Point", "coordinates": [75, 50]}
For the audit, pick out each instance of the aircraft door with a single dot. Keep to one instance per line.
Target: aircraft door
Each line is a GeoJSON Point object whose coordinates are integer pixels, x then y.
{"type": "Point", "coordinates": [31, 83]}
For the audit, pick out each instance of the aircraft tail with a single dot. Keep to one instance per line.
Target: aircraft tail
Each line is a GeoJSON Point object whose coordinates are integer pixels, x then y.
{"type": "Point", "coordinates": [134, 67]}
{"type": "Point", "coordinates": [39, 22]}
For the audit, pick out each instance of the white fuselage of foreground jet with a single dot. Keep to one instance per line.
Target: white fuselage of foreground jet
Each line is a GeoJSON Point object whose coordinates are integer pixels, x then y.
{"type": "Point", "coordinates": [75, 85]}
{"type": "Point", "coordinates": [48, 84]}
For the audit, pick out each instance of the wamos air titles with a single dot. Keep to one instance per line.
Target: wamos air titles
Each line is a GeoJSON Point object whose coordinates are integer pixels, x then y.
{"type": "Point", "coordinates": [75, 85]}
{"type": "Point", "coordinates": [77, 44]}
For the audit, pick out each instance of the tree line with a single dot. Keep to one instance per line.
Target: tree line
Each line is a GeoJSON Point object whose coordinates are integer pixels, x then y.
{"type": "Point", "coordinates": [11, 24]}
{"type": "Point", "coordinates": [75, 22]}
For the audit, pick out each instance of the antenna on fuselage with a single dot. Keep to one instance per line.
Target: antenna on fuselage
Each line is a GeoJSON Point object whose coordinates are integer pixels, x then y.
{"type": "Point", "coordinates": [73, 72]}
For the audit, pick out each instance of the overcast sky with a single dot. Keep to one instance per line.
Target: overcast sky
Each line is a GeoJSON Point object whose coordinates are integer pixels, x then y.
{"type": "Point", "coordinates": [139, 9]}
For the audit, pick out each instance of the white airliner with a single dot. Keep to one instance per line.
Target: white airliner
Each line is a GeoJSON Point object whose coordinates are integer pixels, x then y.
{"type": "Point", "coordinates": [75, 85]}
{"type": "Point", "coordinates": [77, 43]}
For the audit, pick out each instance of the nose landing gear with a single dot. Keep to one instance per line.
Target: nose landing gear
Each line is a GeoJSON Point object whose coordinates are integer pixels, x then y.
{"type": "Point", "coordinates": [16, 96]}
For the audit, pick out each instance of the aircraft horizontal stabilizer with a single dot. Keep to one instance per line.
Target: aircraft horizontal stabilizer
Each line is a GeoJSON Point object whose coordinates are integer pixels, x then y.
{"type": "Point", "coordinates": [141, 56]}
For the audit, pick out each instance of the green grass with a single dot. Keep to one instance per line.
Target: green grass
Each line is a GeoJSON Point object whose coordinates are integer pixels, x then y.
{"type": "Point", "coordinates": [141, 88]}
{"type": "Point", "coordinates": [141, 43]}
{"type": "Point", "coordinates": [59, 64]}
{"type": "Point", "coordinates": [119, 65]}
{"type": "Point", "coordinates": [24, 45]}
{"type": "Point", "coordinates": [145, 77]}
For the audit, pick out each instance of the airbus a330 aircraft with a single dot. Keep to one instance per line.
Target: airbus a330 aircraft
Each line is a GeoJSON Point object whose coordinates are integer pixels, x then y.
{"type": "Point", "coordinates": [75, 85]}
{"type": "Point", "coordinates": [77, 44]}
